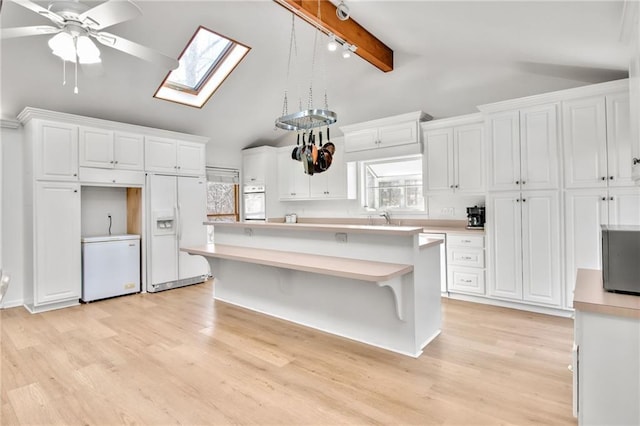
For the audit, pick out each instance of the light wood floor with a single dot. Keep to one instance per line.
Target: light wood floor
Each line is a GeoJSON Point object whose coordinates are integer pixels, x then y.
{"type": "Point", "coordinates": [178, 357]}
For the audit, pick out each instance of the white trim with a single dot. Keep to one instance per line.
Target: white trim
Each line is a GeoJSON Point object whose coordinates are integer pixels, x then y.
{"type": "Point", "coordinates": [521, 306]}
{"type": "Point", "coordinates": [561, 95]}
{"type": "Point", "coordinates": [7, 123]}
{"type": "Point", "coordinates": [453, 121]}
{"type": "Point", "coordinates": [411, 116]}
{"type": "Point", "coordinates": [30, 113]}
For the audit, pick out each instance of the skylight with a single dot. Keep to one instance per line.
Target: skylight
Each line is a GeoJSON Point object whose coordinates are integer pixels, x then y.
{"type": "Point", "coordinates": [205, 63]}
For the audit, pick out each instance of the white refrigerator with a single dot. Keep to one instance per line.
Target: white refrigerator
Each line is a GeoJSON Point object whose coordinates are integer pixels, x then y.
{"type": "Point", "coordinates": [178, 208]}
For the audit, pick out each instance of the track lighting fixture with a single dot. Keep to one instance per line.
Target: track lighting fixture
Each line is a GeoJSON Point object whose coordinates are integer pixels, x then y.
{"type": "Point", "coordinates": [333, 44]}
{"type": "Point", "coordinates": [347, 49]}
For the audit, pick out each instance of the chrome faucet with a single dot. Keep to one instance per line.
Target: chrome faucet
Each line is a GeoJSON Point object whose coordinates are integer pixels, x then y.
{"type": "Point", "coordinates": [387, 217]}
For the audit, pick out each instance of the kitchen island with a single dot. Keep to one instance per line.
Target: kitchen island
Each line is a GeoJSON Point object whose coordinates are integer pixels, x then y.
{"type": "Point", "coordinates": [379, 285]}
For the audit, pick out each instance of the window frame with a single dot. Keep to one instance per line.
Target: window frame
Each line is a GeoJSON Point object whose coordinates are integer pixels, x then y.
{"type": "Point", "coordinates": [179, 91]}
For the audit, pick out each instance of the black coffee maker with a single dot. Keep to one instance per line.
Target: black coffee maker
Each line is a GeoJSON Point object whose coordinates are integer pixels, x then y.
{"type": "Point", "coordinates": [475, 217]}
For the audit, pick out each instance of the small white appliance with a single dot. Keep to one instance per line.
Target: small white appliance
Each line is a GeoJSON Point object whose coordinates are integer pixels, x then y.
{"type": "Point", "coordinates": [110, 266]}
{"type": "Point", "coordinates": [254, 202]}
{"type": "Point", "coordinates": [178, 206]}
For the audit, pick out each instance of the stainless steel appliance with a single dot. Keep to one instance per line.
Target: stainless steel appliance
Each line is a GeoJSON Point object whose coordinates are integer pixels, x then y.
{"type": "Point", "coordinates": [254, 202]}
{"type": "Point", "coordinates": [475, 217]}
{"type": "Point", "coordinates": [621, 259]}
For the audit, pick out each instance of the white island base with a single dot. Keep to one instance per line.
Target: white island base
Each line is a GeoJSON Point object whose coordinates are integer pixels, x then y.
{"type": "Point", "coordinates": [381, 288]}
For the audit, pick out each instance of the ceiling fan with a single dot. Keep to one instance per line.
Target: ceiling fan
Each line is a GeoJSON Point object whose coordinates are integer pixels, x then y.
{"type": "Point", "coordinates": [75, 24]}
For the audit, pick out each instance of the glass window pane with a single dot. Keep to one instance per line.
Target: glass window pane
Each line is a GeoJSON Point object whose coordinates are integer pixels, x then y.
{"type": "Point", "coordinates": [394, 184]}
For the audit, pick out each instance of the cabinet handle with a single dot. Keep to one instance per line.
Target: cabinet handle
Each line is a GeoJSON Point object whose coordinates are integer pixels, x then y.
{"type": "Point", "coordinates": [176, 167]}
{"type": "Point", "coordinates": [465, 241]}
{"type": "Point", "coordinates": [523, 182]}
{"type": "Point", "coordinates": [451, 186]}
{"type": "Point", "coordinates": [75, 174]}
{"type": "Point", "coordinates": [466, 281]}
{"type": "Point", "coordinates": [611, 198]}
{"type": "Point", "coordinates": [517, 200]}
{"type": "Point", "coordinates": [517, 182]}
{"type": "Point", "coordinates": [466, 258]}
{"type": "Point", "coordinates": [75, 190]}
{"type": "Point", "coordinates": [610, 177]}
{"type": "Point", "coordinates": [114, 181]}
{"type": "Point", "coordinates": [116, 161]}
{"type": "Point", "coordinates": [604, 198]}
{"type": "Point", "coordinates": [111, 161]}
{"type": "Point", "coordinates": [604, 178]}
{"type": "Point", "coordinates": [457, 186]}
{"type": "Point", "coordinates": [524, 200]}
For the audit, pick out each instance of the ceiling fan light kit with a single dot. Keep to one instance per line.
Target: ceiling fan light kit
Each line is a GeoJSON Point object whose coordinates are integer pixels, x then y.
{"type": "Point", "coordinates": [76, 23]}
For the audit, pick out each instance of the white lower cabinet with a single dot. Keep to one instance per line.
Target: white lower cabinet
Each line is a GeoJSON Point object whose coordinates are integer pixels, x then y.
{"type": "Point", "coordinates": [585, 211]}
{"type": "Point", "coordinates": [56, 250]}
{"type": "Point", "coordinates": [524, 246]}
{"type": "Point", "coordinates": [465, 264]}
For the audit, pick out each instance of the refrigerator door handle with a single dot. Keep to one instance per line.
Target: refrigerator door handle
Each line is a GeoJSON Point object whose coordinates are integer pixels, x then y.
{"type": "Point", "coordinates": [178, 227]}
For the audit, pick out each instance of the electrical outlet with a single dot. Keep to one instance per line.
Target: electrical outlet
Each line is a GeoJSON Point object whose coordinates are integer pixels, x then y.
{"type": "Point", "coordinates": [447, 211]}
{"type": "Point", "coordinates": [248, 232]}
{"type": "Point", "coordinates": [341, 237]}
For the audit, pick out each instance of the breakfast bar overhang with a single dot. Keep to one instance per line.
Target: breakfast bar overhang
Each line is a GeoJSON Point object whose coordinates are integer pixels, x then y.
{"type": "Point", "coordinates": [379, 285]}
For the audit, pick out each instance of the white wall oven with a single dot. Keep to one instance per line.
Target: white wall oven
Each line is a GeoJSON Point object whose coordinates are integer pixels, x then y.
{"type": "Point", "coordinates": [254, 202]}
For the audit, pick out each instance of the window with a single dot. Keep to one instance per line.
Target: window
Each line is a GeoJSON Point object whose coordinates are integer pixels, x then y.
{"type": "Point", "coordinates": [393, 184]}
{"type": "Point", "coordinates": [205, 63]}
{"type": "Point", "coordinates": [222, 197]}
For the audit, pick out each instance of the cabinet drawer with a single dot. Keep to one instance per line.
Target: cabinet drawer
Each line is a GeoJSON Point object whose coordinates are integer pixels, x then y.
{"type": "Point", "coordinates": [465, 257]}
{"type": "Point", "coordinates": [106, 176]}
{"type": "Point", "coordinates": [476, 241]}
{"type": "Point", "coordinates": [466, 280]}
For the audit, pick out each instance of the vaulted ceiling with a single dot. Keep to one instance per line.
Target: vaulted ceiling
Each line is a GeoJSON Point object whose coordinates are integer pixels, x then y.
{"type": "Point", "coordinates": [448, 58]}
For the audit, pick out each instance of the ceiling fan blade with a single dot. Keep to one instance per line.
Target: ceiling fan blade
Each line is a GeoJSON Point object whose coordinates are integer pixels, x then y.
{"type": "Point", "coordinates": [110, 13]}
{"type": "Point", "coordinates": [27, 31]}
{"type": "Point", "coordinates": [135, 49]}
{"type": "Point", "coordinates": [40, 10]}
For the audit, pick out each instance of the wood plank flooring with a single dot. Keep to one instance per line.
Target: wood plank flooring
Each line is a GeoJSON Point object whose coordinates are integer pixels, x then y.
{"type": "Point", "coordinates": [179, 357]}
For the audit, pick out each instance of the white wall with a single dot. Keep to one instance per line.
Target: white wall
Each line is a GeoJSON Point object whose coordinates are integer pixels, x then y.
{"type": "Point", "coordinates": [12, 217]}
{"type": "Point", "coordinates": [97, 203]}
{"type": "Point", "coordinates": [219, 155]}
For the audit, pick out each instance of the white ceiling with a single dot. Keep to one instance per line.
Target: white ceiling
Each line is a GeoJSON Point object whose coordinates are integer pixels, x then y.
{"type": "Point", "coordinates": [449, 57]}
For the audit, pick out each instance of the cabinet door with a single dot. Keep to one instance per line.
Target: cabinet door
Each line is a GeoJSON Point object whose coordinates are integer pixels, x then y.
{"type": "Point", "coordinates": [254, 167]}
{"type": "Point", "coordinates": [361, 140]}
{"type": "Point", "coordinates": [504, 151]}
{"type": "Point", "coordinates": [58, 269]}
{"type": "Point", "coordinates": [620, 149]}
{"type": "Point", "coordinates": [56, 151]}
{"type": "Point", "coordinates": [541, 275]}
{"type": "Point", "coordinates": [293, 183]}
{"type": "Point", "coordinates": [539, 147]}
{"type": "Point", "coordinates": [128, 151]}
{"type": "Point", "coordinates": [398, 134]}
{"type": "Point", "coordinates": [160, 155]}
{"type": "Point", "coordinates": [469, 158]}
{"type": "Point", "coordinates": [96, 147]}
{"type": "Point", "coordinates": [191, 158]}
{"type": "Point", "coordinates": [336, 176]}
{"type": "Point", "coordinates": [439, 160]}
{"type": "Point", "coordinates": [585, 212]}
{"type": "Point", "coordinates": [504, 223]}
{"type": "Point", "coordinates": [585, 143]}
{"type": "Point", "coordinates": [624, 206]}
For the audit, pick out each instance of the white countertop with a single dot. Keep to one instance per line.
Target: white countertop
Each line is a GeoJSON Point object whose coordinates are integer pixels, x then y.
{"type": "Point", "coordinates": [590, 296]}
{"type": "Point", "coordinates": [318, 227]}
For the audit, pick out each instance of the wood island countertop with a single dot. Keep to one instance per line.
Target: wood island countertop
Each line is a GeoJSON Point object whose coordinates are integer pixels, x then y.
{"type": "Point", "coordinates": [590, 296]}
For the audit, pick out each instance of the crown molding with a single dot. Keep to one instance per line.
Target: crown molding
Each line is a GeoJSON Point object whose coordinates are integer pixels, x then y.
{"type": "Point", "coordinates": [561, 95]}
{"type": "Point", "coordinates": [417, 116]}
{"type": "Point", "coordinates": [7, 123]}
{"type": "Point", "coordinates": [30, 113]}
{"type": "Point", "coordinates": [453, 121]}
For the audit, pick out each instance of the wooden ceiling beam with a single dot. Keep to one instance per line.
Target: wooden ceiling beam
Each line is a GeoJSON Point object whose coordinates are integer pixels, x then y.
{"type": "Point", "coordinates": [368, 46]}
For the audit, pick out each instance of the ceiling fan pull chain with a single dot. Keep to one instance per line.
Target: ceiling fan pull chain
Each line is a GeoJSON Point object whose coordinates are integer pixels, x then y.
{"type": "Point", "coordinates": [75, 45]}
{"type": "Point", "coordinates": [64, 72]}
{"type": "Point", "coordinates": [75, 89]}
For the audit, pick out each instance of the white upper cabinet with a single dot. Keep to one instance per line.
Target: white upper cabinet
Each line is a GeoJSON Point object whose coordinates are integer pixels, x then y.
{"type": "Point", "coordinates": [386, 137]}
{"type": "Point", "coordinates": [293, 183]}
{"type": "Point", "coordinates": [110, 150]}
{"type": "Point", "coordinates": [454, 158]}
{"type": "Point", "coordinates": [56, 151]}
{"type": "Point", "coordinates": [257, 163]}
{"type": "Point", "coordinates": [523, 149]}
{"type": "Point", "coordinates": [598, 151]}
{"type": "Point", "coordinates": [333, 182]}
{"type": "Point", "coordinates": [173, 156]}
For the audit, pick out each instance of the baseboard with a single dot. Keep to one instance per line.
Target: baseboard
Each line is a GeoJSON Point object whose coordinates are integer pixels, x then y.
{"type": "Point", "coordinates": [7, 304]}
{"type": "Point", "coordinates": [558, 312]}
